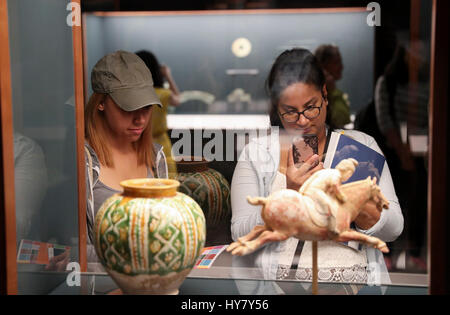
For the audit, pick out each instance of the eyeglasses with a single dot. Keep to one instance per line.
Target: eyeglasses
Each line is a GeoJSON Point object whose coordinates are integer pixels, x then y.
{"type": "Point", "coordinates": [309, 113]}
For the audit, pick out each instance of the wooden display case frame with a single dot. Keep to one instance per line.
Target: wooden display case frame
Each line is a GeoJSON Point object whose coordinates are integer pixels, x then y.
{"type": "Point", "coordinates": [438, 242]}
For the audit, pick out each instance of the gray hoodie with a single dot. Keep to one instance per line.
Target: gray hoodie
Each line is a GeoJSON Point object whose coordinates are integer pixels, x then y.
{"type": "Point", "coordinates": [92, 176]}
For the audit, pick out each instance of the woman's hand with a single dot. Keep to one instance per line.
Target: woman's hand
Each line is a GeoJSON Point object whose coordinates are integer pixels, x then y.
{"type": "Point", "coordinates": [59, 263]}
{"type": "Point", "coordinates": [295, 177]}
{"type": "Point", "coordinates": [368, 216]}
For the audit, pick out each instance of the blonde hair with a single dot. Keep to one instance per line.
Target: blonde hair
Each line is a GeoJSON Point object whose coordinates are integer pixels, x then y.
{"type": "Point", "coordinates": [96, 132]}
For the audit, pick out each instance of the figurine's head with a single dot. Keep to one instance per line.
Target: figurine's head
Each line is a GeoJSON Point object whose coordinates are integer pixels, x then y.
{"type": "Point", "coordinates": [346, 167]}
{"type": "Point", "coordinates": [380, 200]}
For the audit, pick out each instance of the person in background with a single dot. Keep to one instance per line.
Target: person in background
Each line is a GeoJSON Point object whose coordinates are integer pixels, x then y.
{"type": "Point", "coordinates": [330, 59]}
{"type": "Point", "coordinates": [168, 97]}
{"type": "Point", "coordinates": [395, 105]}
{"type": "Point", "coordinates": [31, 181]}
{"type": "Point", "coordinates": [299, 103]}
{"type": "Point", "coordinates": [119, 143]}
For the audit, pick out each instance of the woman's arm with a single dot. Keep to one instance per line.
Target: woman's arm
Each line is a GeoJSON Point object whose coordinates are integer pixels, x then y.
{"type": "Point", "coordinates": [390, 223]}
{"type": "Point", "coordinates": [174, 99]}
{"type": "Point", "coordinates": [244, 216]}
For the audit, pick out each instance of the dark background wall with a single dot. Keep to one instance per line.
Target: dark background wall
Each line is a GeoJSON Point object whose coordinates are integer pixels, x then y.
{"type": "Point", "coordinates": [198, 50]}
{"type": "Point", "coordinates": [395, 15]}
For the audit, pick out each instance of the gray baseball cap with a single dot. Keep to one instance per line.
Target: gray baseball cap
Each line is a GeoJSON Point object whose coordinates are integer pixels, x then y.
{"type": "Point", "coordinates": [125, 77]}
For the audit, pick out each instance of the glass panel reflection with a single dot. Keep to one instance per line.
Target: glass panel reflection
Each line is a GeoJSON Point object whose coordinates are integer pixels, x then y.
{"type": "Point", "coordinates": [378, 76]}
{"type": "Point", "coordinates": [377, 82]}
{"type": "Point", "coordinates": [44, 142]}
{"type": "Point", "coordinates": [401, 102]}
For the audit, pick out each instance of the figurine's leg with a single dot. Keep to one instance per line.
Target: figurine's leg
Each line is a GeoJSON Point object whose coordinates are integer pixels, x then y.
{"type": "Point", "coordinates": [256, 201]}
{"type": "Point", "coordinates": [322, 200]}
{"type": "Point", "coordinates": [270, 236]}
{"type": "Point", "coordinates": [325, 207]}
{"type": "Point", "coordinates": [233, 246]}
{"type": "Point", "coordinates": [265, 237]}
{"type": "Point", "coordinates": [351, 235]}
{"type": "Point", "coordinates": [257, 230]}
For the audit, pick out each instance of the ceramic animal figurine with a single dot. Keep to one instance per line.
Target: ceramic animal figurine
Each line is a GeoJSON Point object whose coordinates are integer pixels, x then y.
{"type": "Point", "coordinates": [322, 210]}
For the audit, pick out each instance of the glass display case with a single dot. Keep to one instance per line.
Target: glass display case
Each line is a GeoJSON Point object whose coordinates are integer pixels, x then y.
{"type": "Point", "coordinates": [232, 275]}
{"type": "Point", "coordinates": [220, 60]}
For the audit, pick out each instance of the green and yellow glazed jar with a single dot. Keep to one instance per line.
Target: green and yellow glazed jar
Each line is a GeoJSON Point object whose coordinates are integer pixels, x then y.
{"type": "Point", "coordinates": [211, 191]}
{"type": "Point", "coordinates": [149, 237]}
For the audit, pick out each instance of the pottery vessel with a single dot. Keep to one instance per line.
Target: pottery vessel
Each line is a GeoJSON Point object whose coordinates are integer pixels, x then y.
{"type": "Point", "coordinates": [149, 237]}
{"type": "Point", "coordinates": [210, 189]}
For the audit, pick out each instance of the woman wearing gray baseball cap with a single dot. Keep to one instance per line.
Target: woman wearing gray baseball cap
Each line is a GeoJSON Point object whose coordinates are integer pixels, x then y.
{"type": "Point", "coordinates": [118, 131]}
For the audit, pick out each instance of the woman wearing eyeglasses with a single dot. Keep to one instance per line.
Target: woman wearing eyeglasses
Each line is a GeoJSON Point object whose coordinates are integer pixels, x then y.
{"type": "Point", "coordinates": [298, 96]}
